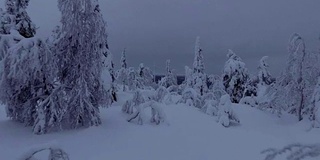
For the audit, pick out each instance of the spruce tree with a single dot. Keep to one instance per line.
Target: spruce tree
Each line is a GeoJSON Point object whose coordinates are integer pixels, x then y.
{"type": "Point", "coordinates": [264, 76]}
{"type": "Point", "coordinates": [235, 76]}
{"type": "Point", "coordinates": [80, 54]}
{"type": "Point", "coordinates": [122, 74]}
{"type": "Point", "coordinates": [169, 79]}
{"type": "Point", "coordinates": [123, 60]}
{"type": "Point", "coordinates": [199, 77]}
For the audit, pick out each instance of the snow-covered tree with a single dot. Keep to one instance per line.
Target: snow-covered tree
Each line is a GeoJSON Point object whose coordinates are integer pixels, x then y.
{"type": "Point", "coordinates": [188, 82]}
{"type": "Point", "coordinates": [234, 76]}
{"type": "Point", "coordinates": [132, 81]}
{"type": "Point", "coordinates": [135, 107]}
{"type": "Point", "coordinates": [28, 72]}
{"type": "Point", "coordinates": [264, 76]}
{"type": "Point", "coordinates": [145, 76]}
{"type": "Point", "coordinates": [123, 60]}
{"type": "Point", "coordinates": [251, 87]}
{"type": "Point", "coordinates": [122, 74]}
{"type": "Point", "coordinates": [27, 85]}
{"type": "Point", "coordinates": [17, 18]}
{"type": "Point", "coordinates": [315, 104]}
{"type": "Point", "coordinates": [135, 101]}
{"type": "Point", "coordinates": [109, 65]}
{"type": "Point", "coordinates": [293, 89]}
{"type": "Point", "coordinates": [80, 53]}
{"type": "Point", "coordinates": [157, 113]}
{"type": "Point", "coordinates": [196, 78]}
{"type": "Point", "coordinates": [15, 24]}
{"type": "Point", "coordinates": [226, 115]}
{"type": "Point", "coordinates": [160, 94]}
{"type": "Point", "coordinates": [199, 78]}
{"type": "Point", "coordinates": [210, 104]}
{"type": "Point", "coordinates": [216, 86]}
{"type": "Point", "coordinates": [170, 79]}
{"type": "Point", "coordinates": [198, 64]}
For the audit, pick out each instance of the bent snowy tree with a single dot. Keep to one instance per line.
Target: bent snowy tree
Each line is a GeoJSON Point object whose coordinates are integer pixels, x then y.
{"type": "Point", "coordinates": [157, 114]}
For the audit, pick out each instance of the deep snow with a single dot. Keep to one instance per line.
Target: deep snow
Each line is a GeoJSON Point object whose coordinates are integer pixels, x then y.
{"type": "Point", "coordinates": [190, 135]}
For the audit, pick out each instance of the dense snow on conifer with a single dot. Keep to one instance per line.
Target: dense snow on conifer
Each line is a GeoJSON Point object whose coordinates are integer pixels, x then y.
{"type": "Point", "coordinates": [235, 76]}
{"type": "Point", "coordinates": [69, 80]}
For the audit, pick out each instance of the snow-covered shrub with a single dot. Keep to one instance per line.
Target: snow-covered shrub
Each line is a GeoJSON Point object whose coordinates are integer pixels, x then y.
{"type": "Point", "coordinates": [294, 152]}
{"type": "Point", "coordinates": [172, 98]}
{"type": "Point", "coordinates": [211, 107]}
{"type": "Point", "coordinates": [235, 76]}
{"type": "Point", "coordinates": [207, 97]}
{"type": "Point", "coordinates": [160, 94]}
{"type": "Point", "coordinates": [127, 107]}
{"type": "Point", "coordinates": [146, 99]}
{"type": "Point", "coordinates": [250, 100]}
{"type": "Point", "coordinates": [226, 115]}
{"type": "Point", "coordinates": [210, 104]}
{"type": "Point", "coordinates": [191, 98]}
{"type": "Point", "coordinates": [134, 102]}
{"type": "Point", "coordinates": [157, 114]}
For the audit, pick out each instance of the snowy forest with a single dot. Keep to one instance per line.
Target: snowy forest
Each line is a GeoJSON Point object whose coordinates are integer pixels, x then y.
{"type": "Point", "coordinates": [62, 97]}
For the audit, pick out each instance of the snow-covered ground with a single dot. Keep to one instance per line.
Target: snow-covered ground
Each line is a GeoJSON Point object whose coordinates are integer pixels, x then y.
{"type": "Point", "coordinates": [190, 135]}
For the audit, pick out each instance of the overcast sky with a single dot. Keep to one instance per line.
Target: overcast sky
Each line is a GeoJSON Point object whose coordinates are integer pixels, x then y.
{"type": "Point", "coordinates": [156, 30]}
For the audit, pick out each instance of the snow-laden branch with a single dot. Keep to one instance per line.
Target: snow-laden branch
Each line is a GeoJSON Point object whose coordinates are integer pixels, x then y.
{"type": "Point", "coordinates": [294, 151]}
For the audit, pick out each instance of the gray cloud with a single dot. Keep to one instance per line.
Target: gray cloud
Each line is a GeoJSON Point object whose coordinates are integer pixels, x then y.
{"type": "Point", "coordinates": [156, 30]}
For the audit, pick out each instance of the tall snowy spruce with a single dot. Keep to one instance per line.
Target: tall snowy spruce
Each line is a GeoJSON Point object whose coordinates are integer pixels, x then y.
{"type": "Point", "coordinates": [199, 77]}
{"type": "Point", "coordinates": [81, 56]}
{"type": "Point", "coordinates": [235, 76]}
{"type": "Point", "coordinates": [122, 74]}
